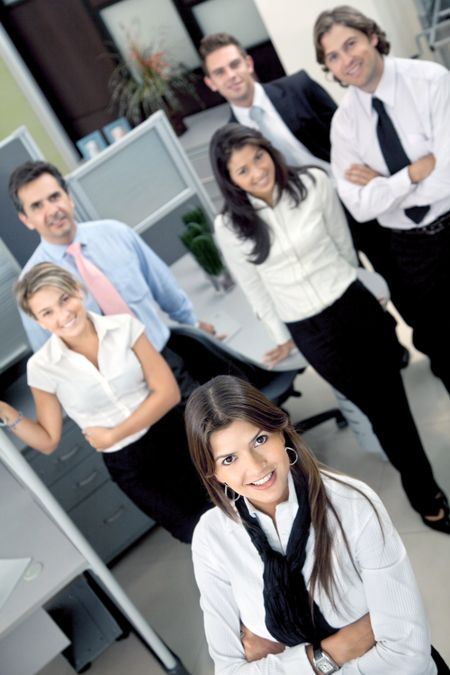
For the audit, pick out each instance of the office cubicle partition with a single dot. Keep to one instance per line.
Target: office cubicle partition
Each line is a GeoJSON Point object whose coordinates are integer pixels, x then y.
{"type": "Point", "coordinates": [16, 149]}
{"type": "Point", "coordinates": [145, 180]}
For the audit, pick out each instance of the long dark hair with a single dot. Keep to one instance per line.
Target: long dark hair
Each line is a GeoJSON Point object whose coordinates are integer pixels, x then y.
{"type": "Point", "coordinates": [244, 218]}
{"type": "Point", "coordinates": [225, 399]}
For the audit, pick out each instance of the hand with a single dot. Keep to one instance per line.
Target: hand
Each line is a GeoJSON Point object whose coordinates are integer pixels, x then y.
{"type": "Point", "coordinates": [99, 437]}
{"type": "Point", "coordinates": [256, 647]}
{"type": "Point", "coordinates": [421, 168]}
{"type": "Point", "coordinates": [209, 328]}
{"type": "Point", "coordinates": [274, 356]}
{"type": "Point", "coordinates": [350, 642]}
{"type": "Point", "coordinates": [360, 174]}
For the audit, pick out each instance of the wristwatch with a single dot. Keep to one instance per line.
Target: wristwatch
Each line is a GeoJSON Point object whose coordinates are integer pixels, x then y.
{"type": "Point", "coordinates": [323, 661]}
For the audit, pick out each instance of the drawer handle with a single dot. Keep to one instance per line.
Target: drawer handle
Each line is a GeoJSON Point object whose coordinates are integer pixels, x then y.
{"type": "Point", "coordinates": [87, 480]}
{"type": "Point", "coordinates": [115, 516]}
{"type": "Point", "coordinates": [69, 454]}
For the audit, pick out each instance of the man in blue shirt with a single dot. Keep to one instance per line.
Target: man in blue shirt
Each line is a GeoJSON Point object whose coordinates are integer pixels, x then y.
{"type": "Point", "coordinates": [144, 281]}
{"type": "Point", "coordinates": [39, 193]}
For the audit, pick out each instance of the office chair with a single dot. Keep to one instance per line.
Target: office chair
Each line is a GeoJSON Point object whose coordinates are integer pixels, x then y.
{"type": "Point", "coordinates": [205, 358]}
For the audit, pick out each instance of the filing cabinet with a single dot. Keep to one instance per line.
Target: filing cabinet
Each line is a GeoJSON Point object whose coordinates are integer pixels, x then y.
{"type": "Point", "coordinates": [78, 478]}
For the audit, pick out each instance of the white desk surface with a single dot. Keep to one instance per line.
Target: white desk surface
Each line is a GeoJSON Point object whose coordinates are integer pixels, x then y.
{"type": "Point", "coordinates": [252, 339]}
{"type": "Point", "coordinates": [27, 531]}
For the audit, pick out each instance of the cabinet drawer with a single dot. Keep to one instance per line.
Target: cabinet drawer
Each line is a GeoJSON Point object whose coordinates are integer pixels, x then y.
{"type": "Point", "coordinates": [71, 450]}
{"type": "Point", "coordinates": [109, 520]}
{"type": "Point", "coordinates": [79, 483]}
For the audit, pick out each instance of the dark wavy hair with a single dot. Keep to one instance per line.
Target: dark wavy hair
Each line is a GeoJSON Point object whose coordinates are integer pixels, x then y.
{"type": "Point", "coordinates": [352, 18]}
{"type": "Point", "coordinates": [28, 172]}
{"type": "Point", "coordinates": [244, 218]}
{"type": "Point", "coordinates": [226, 399]}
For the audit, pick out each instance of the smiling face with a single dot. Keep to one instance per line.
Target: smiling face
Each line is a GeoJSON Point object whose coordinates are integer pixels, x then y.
{"type": "Point", "coordinates": [48, 209]}
{"type": "Point", "coordinates": [231, 74]}
{"type": "Point", "coordinates": [61, 313]}
{"type": "Point", "coordinates": [251, 168]}
{"type": "Point", "coordinates": [253, 462]}
{"type": "Point", "coordinates": [352, 57]}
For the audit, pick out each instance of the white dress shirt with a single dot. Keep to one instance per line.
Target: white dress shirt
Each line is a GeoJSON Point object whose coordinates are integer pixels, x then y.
{"type": "Point", "coordinates": [301, 153]}
{"type": "Point", "coordinates": [416, 96]}
{"type": "Point", "coordinates": [229, 574]}
{"type": "Point", "coordinates": [103, 396]}
{"type": "Point", "coordinates": [311, 262]}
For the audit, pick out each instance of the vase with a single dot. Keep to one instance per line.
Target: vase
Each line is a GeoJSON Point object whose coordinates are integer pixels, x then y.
{"type": "Point", "coordinates": [222, 282]}
{"type": "Point", "coordinates": [177, 122]}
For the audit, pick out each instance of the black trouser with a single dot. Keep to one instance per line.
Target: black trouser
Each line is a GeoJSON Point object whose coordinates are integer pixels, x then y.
{"type": "Point", "coordinates": [442, 668]}
{"type": "Point", "coordinates": [352, 345]}
{"type": "Point", "coordinates": [374, 241]}
{"type": "Point", "coordinates": [157, 474]}
{"type": "Point", "coordinates": [421, 291]}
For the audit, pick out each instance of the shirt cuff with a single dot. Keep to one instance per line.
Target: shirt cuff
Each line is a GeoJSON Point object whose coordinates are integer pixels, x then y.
{"type": "Point", "coordinates": [400, 183]}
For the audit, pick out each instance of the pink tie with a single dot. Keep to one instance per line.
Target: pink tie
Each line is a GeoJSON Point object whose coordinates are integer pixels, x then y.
{"type": "Point", "coordinates": [109, 300]}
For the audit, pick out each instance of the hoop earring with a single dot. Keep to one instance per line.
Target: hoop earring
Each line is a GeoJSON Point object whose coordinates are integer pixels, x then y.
{"type": "Point", "coordinates": [295, 456]}
{"type": "Point", "coordinates": [229, 496]}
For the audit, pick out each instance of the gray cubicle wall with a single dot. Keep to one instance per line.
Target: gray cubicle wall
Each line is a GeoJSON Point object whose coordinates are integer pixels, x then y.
{"type": "Point", "coordinates": [145, 180]}
{"type": "Point", "coordinates": [17, 148]}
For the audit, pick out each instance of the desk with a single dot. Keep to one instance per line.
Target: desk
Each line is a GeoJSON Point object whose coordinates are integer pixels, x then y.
{"type": "Point", "coordinates": [32, 523]}
{"type": "Point", "coordinates": [252, 339]}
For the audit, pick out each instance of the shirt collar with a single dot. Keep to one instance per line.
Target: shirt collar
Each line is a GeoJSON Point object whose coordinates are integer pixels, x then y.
{"type": "Point", "coordinates": [260, 204]}
{"type": "Point", "coordinates": [102, 324]}
{"type": "Point", "coordinates": [385, 90]}
{"type": "Point", "coordinates": [259, 98]}
{"type": "Point", "coordinates": [56, 252]}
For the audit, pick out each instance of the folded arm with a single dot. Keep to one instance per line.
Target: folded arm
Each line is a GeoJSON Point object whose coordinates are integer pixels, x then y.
{"type": "Point", "coordinates": [164, 395]}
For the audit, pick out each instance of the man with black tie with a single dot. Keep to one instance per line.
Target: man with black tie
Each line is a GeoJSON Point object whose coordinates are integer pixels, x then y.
{"type": "Point", "coordinates": [391, 160]}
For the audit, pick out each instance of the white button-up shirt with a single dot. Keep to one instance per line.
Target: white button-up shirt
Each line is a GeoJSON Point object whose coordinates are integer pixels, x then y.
{"type": "Point", "coordinates": [416, 96]}
{"type": "Point", "coordinates": [229, 574]}
{"type": "Point", "coordinates": [280, 130]}
{"type": "Point", "coordinates": [103, 396]}
{"type": "Point", "coordinates": [311, 261]}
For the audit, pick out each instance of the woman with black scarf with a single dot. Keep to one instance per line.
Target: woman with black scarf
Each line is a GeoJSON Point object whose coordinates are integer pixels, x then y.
{"type": "Point", "coordinates": [300, 569]}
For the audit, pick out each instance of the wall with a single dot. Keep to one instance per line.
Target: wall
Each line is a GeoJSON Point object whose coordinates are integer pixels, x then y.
{"type": "Point", "coordinates": [30, 109]}
{"type": "Point", "coordinates": [290, 25]}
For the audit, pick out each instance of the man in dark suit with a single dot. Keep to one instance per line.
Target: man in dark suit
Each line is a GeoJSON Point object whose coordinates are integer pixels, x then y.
{"type": "Point", "coordinates": [294, 113]}
{"type": "Point", "coordinates": [300, 106]}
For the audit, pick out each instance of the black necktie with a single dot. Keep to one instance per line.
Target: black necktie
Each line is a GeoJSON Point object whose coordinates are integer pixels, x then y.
{"type": "Point", "coordinates": [394, 153]}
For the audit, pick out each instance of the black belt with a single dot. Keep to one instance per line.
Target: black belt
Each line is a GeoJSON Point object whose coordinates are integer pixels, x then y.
{"type": "Point", "coordinates": [432, 228]}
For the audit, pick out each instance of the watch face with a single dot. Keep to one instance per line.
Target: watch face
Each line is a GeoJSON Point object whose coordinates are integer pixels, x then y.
{"type": "Point", "coordinates": [325, 667]}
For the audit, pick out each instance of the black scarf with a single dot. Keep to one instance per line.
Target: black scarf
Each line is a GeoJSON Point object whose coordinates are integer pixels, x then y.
{"type": "Point", "coordinates": [286, 598]}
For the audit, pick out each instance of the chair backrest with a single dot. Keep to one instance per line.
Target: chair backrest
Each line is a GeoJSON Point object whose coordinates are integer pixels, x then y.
{"type": "Point", "coordinates": [205, 358]}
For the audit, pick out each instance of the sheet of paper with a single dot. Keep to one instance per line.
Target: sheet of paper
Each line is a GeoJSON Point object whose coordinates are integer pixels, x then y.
{"type": "Point", "coordinates": [11, 571]}
{"type": "Point", "coordinates": [224, 324]}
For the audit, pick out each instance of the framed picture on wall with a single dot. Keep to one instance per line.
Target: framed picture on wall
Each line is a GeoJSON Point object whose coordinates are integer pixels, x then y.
{"type": "Point", "coordinates": [91, 145]}
{"type": "Point", "coordinates": [116, 130]}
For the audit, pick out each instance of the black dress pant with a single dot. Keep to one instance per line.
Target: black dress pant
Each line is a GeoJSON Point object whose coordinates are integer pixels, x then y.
{"type": "Point", "coordinates": [352, 345]}
{"type": "Point", "coordinates": [375, 242]}
{"type": "Point", "coordinates": [421, 291]}
{"type": "Point", "coordinates": [157, 474]}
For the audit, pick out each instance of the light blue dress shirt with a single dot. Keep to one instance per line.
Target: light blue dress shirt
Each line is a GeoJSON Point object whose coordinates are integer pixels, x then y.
{"type": "Point", "coordinates": [138, 274]}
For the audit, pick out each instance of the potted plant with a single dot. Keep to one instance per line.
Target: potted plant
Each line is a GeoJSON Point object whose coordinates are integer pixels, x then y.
{"type": "Point", "coordinates": [198, 239]}
{"type": "Point", "coordinates": [151, 82]}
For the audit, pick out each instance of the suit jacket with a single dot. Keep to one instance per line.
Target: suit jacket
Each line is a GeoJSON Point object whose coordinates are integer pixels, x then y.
{"type": "Point", "coordinates": [305, 108]}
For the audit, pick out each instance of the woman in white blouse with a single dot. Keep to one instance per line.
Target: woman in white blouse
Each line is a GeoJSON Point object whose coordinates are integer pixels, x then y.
{"type": "Point", "coordinates": [106, 375]}
{"type": "Point", "coordinates": [284, 236]}
{"type": "Point", "coordinates": [300, 570]}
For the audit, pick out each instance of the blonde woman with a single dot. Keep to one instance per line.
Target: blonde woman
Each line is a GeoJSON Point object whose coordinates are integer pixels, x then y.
{"type": "Point", "coordinates": [105, 374]}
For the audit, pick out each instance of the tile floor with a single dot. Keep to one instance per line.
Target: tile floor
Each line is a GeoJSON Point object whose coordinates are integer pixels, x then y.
{"type": "Point", "coordinates": [157, 573]}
